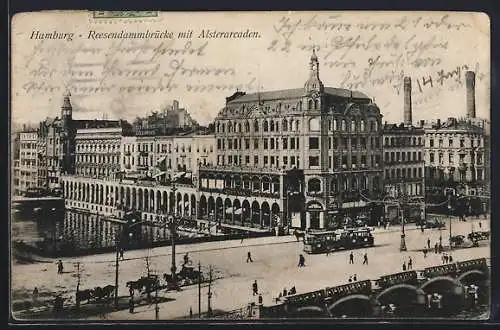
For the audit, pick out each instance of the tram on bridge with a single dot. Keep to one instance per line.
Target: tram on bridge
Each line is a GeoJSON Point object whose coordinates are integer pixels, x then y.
{"type": "Point", "coordinates": [325, 241]}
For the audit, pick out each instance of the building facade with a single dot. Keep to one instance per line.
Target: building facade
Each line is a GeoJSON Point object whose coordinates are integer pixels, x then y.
{"type": "Point", "coordinates": [98, 152]}
{"type": "Point", "coordinates": [455, 154]}
{"type": "Point", "coordinates": [27, 167]}
{"type": "Point", "coordinates": [314, 146]}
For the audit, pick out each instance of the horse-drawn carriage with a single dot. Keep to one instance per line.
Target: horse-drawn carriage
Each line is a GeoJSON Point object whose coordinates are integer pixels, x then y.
{"type": "Point", "coordinates": [97, 294]}
{"type": "Point", "coordinates": [145, 284]}
{"type": "Point", "coordinates": [188, 275]}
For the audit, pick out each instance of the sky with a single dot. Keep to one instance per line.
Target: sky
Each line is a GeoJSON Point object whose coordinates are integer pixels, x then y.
{"type": "Point", "coordinates": [180, 57]}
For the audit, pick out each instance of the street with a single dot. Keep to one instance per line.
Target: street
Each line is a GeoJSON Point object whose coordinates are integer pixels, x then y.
{"type": "Point", "coordinates": [274, 267]}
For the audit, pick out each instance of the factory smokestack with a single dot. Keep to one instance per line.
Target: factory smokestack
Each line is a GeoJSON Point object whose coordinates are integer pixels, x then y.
{"type": "Point", "coordinates": [407, 100]}
{"type": "Point", "coordinates": [470, 85]}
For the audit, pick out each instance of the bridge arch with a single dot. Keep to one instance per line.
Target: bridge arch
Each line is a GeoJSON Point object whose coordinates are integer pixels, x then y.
{"type": "Point", "coordinates": [450, 288]}
{"type": "Point", "coordinates": [473, 276]}
{"type": "Point", "coordinates": [354, 305]}
{"type": "Point", "coordinates": [405, 296]}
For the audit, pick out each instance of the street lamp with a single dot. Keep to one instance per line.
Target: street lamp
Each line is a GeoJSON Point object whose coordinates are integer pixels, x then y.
{"type": "Point", "coordinates": [402, 246]}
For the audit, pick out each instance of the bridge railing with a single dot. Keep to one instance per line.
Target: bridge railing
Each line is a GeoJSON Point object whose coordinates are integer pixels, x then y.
{"type": "Point", "coordinates": [409, 277]}
{"type": "Point", "coordinates": [474, 264]}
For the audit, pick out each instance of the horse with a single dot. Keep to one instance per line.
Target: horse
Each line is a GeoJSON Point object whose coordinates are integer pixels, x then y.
{"type": "Point", "coordinates": [104, 292]}
{"type": "Point", "coordinates": [83, 295]}
{"type": "Point", "coordinates": [298, 234]}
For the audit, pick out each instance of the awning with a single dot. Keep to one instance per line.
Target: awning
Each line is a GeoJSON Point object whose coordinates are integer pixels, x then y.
{"type": "Point", "coordinates": [159, 174]}
{"type": "Point", "coordinates": [238, 211]}
{"type": "Point", "coordinates": [178, 175]}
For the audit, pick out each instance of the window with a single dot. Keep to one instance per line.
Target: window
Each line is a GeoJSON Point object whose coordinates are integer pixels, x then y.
{"type": "Point", "coordinates": [265, 144]}
{"type": "Point", "coordinates": [353, 126]}
{"type": "Point", "coordinates": [292, 143]}
{"type": "Point", "coordinates": [450, 158]}
{"type": "Point", "coordinates": [284, 125]}
{"type": "Point", "coordinates": [354, 142]}
{"type": "Point", "coordinates": [440, 158]}
{"type": "Point", "coordinates": [462, 143]}
{"type": "Point", "coordinates": [313, 161]}
{"type": "Point", "coordinates": [265, 160]}
{"type": "Point", "coordinates": [335, 127]}
{"type": "Point", "coordinates": [256, 160]}
{"type": "Point", "coordinates": [335, 143]}
{"type": "Point", "coordinates": [247, 126]}
{"type": "Point", "coordinates": [285, 160]}
{"type": "Point", "coordinates": [271, 126]}
{"type": "Point", "coordinates": [314, 185]}
{"type": "Point", "coordinates": [362, 126]}
{"type": "Point", "coordinates": [431, 157]}
{"type": "Point", "coordinates": [285, 143]}
{"type": "Point", "coordinates": [450, 143]}
{"type": "Point", "coordinates": [256, 143]}
{"type": "Point", "coordinates": [344, 125]}
{"type": "Point", "coordinates": [272, 143]}
{"type": "Point", "coordinates": [440, 143]}
{"type": "Point", "coordinates": [313, 143]}
{"type": "Point", "coordinates": [314, 124]}
{"type": "Point", "coordinates": [247, 143]}
{"type": "Point", "coordinates": [431, 143]}
{"type": "Point", "coordinates": [265, 126]}
{"type": "Point", "coordinates": [256, 125]}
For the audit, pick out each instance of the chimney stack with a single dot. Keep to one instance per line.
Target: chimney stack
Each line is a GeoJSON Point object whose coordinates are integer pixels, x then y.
{"type": "Point", "coordinates": [407, 100]}
{"type": "Point", "coordinates": [470, 84]}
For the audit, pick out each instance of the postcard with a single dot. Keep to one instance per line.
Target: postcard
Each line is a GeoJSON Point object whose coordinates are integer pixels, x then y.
{"type": "Point", "coordinates": [250, 165]}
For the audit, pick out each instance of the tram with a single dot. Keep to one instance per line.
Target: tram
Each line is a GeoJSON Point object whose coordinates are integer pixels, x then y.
{"type": "Point", "coordinates": [323, 241]}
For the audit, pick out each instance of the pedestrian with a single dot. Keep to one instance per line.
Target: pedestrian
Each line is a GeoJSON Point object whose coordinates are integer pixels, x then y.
{"type": "Point", "coordinates": [284, 292]}
{"type": "Point", "coordinates": [260, 299]}
{"type": "Point", "coordinates": [351, 258]}
{"type": "Point", "coordinates": [60, 267]}
{"type": "Point", "coordinates": [293, 290]}
{"type": "Point", "coordinates": [440, 248]}
{"type": "Point", "coordinates": [302, 261]}
{"type": "Point", "coordinates": [425, 252]}
{"type": "Point", "coordinates": [365, 259]}
{"type": "Point", "coordinates": [404, 266]}
{"type": "Point", "coordinates": [350, 278]}
{"type": "Point", "coordinates": [480, 225]}
{"type": "Point", "coordinates": [121, 253]}
{"type": "Point", "coordinates": [354, 278]}
{"type": "Point", "coordinates": [428, 243]}
{"type": "Point", "coordinates": [186, 259]}
{"type": "Point", "coordinates": [450, 259]}
{"type": "Point", "coordinates": [190, 312]}
{"type": "Point", "coordinates": [410, 263]}
{"type": "Point", "coordinates": [436, 248]}
{"type": "Point", "coordinates": [131, 292]}
{"type": "Point", "coordinates": [442, 258]}
{"type": "Point", "coordinates": [35, 295]}
{"type": "Point", "coordinates": [249, 257]}
{"type": "Point", "coordinates": [255, 288]}
{"type": "Point", "coordinates": [131, 305]}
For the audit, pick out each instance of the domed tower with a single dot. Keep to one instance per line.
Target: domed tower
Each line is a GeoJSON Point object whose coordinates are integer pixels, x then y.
{"type": "Point", "coordinates": [313, 83]}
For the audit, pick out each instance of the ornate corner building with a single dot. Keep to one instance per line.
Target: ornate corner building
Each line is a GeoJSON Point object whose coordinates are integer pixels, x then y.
{"type": "Point", "coordinates": [301, 157]}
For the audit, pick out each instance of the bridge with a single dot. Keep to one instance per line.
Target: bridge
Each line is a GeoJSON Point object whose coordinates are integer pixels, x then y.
{"type": "Point", "coordinates": [409, 291]}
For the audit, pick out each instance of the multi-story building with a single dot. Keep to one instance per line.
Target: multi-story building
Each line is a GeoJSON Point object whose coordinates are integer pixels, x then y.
{"type": "Point", "coordinates": [301, 155]}
{"type": "Point", "coordinates": [455, 153]}
{"type": "Point", "coordinates": [457, 150]}
{"type": "Point", "coordinates": [57, 142]}
{"type": "Point", "coordinates": [403, 147]}
{"type": "Point", "coordinates": [98, 150]}
{"type": "Point", "coordinates": [27, 170]}
{"type": "Point", "coordinates": [167, 158]}
{"type": "Point", "coordinates": [166, 122]}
